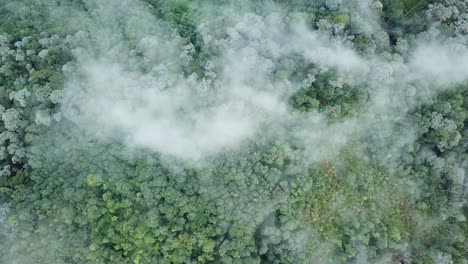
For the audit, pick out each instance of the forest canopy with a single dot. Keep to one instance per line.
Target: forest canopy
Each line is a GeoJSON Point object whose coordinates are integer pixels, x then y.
{"type": "Point", "coordinates": [281, 131]}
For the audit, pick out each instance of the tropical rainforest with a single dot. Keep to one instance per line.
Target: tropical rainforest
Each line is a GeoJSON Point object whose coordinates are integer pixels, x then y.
{"type": "Point", "coordinates": [219, 131]}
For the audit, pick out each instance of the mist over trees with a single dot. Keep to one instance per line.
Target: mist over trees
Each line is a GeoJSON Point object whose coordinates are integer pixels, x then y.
{"type": "Point", "coordinates": [154, 131]}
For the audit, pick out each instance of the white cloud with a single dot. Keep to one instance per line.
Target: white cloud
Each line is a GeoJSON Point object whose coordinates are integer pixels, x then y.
{"type": "Point", "coordinates": [189, 117]}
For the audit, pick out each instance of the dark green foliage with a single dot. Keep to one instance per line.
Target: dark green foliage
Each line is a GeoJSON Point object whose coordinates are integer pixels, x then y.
{"type": "Point", "coordinates": [181, 15]}
{"type": "Point", "coordinates": [71, 199]}
{"type": "Point", "coordinates": [26, 18]}
{"type": "Point", "coordinates": [337, 100]}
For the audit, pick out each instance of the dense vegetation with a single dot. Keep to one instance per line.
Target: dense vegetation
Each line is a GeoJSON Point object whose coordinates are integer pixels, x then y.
{"type": "Point", "coordinates": [393, 192]}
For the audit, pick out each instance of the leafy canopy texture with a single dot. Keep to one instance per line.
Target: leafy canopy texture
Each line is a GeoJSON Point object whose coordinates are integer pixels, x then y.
{"type": "Point", "coordinates": [154, 131]}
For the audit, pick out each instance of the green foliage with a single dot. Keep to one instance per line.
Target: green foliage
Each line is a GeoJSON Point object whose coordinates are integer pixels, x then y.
{"type": "Point", "coordinates": [329, 94]}
{"type": "Point", "coordinates": [342, 19]}
{"type": "Point", "coordinates": [70, 199]}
